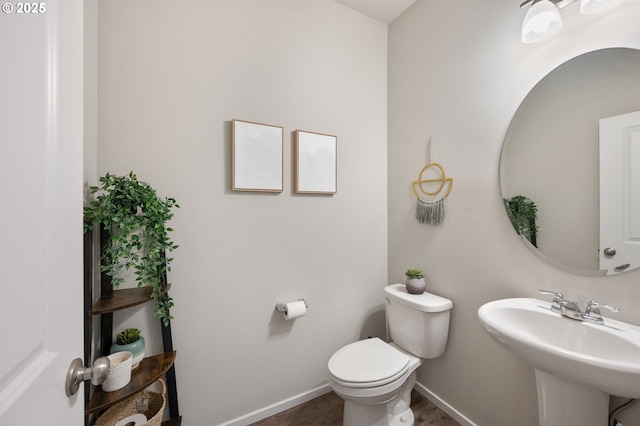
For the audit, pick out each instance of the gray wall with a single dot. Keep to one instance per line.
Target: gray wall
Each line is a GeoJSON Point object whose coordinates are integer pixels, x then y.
{"type": "Point", "coordinates": [458, 72]}
{"type": "Point", "coordinates": [171, 77]}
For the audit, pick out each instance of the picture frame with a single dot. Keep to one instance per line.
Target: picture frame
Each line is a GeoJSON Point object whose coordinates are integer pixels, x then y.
{"type": "Point", "coordinates": [256, 157]}
{"type": "Point", "coordinates": [316, 156]}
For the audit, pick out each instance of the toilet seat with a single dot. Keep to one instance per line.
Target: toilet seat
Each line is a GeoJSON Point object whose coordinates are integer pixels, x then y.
{"type": "Point", "coordinates": [368, 363]}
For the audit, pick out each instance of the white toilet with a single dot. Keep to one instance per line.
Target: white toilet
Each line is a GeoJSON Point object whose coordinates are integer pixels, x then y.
{"type": "Point", "coordinates": [375, 378]}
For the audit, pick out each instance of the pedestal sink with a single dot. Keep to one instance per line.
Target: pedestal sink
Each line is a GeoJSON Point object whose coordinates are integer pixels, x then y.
{"type": "Point", "coordinates": [577, 364]}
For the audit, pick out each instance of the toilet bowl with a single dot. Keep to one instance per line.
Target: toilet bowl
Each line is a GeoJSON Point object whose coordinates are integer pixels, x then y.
{"type": "Point", "coordinates": [375, 378]}
{"type": "Point", "coordinates": [370, 375]}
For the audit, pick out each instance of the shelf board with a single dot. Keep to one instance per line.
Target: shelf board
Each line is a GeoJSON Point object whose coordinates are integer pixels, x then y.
{"type": "Point", "coordinates": [122, 299]}
{"type": "Point", "coordinates": [149, 370]}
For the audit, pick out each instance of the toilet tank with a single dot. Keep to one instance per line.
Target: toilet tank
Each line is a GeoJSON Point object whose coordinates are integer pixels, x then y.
{"type": "Point", "coordinates": [418, 323]}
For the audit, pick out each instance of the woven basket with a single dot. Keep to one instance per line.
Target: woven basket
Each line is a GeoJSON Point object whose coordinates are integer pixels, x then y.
{"type": "Point", "coordinates": [126, 408]}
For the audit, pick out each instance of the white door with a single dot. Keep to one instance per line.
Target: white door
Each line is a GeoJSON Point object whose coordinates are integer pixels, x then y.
{"type": "Point", "coordinates": [40, 211]}
{"type": "Point", "coordinates": [620, 192]}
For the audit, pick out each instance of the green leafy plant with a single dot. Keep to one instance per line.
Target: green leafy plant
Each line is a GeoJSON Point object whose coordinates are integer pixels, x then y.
{"type": "Point", "coordinates": [127, 336]}
{"type": "Point", "coordinates": [414, 273]}
{"type": "Point", "coordinates": [136, 218]}
{"type": "Point", "coordinates": [522, 213]}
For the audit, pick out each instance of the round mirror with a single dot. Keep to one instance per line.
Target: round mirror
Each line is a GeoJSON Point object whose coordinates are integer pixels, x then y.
{"type": "Point", "coordinates": [552, 169]}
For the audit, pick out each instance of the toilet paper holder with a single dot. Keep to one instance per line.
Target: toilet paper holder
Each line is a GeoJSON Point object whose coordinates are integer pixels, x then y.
{"type": "Point", "coordinates": [282, 307]}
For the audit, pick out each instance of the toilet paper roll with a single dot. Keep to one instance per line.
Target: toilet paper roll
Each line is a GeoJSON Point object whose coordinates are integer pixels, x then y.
{"type": "Point", "coordinates": [295, 309]}
{"type": "Point", "coordinates": [134, 420]}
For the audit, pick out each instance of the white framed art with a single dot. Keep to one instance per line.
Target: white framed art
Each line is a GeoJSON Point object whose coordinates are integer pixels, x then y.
{"type": "Point", "coordinates": [256, 157]}
{"type": "Point", "coordinates": [316, 163]}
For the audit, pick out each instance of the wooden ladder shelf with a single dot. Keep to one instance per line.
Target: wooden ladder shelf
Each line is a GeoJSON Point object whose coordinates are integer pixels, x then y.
{"type": "Point", "coordinates": [150, 369]}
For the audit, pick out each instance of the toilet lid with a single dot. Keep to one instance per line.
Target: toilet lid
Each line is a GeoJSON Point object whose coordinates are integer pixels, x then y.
{"type": "Point", "coordinates": [368, 362]}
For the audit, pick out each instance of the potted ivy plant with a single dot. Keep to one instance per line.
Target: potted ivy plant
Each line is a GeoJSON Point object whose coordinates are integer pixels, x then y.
{"type": "Point", "coordinates": [415, 281]}
{"type": "Point", "coordinates": [130, 340]}
{"type": "Point", "coordinates": [136, 219]}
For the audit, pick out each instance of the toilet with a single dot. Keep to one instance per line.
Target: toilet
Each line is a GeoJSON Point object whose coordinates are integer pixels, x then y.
{"type": "Point", "coordinates": [375, 378]}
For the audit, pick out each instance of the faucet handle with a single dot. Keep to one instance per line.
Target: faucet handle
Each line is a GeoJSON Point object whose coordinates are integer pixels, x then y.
{"type": "Point", "coordinates": [592, 313]}
{"type": "Point", "coordinates": [558, 298]}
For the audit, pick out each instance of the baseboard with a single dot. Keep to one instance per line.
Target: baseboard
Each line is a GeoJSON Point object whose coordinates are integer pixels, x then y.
{"type": "Point", "coordinates": [296, 400]}
{"type": "Point", "coordinates": [279, 407]}
{"type": "Point", "coordinates": [455, 414]}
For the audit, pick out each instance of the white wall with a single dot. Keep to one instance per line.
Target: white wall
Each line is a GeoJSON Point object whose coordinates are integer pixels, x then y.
{"type": "Point", "coordinates": [171, 77]}
{"type": "Point", "coordinates": [458, 72]}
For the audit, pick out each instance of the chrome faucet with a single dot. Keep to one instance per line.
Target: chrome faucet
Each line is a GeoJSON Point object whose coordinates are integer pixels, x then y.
{"type": "Point", "coordinates": [570, 309]}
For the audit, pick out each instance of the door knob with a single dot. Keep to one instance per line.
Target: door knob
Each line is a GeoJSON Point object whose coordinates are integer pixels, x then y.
{"type": "Point", "coordinates": [78, 373]}
{"type": "Point", "coordinates": [609, 251]}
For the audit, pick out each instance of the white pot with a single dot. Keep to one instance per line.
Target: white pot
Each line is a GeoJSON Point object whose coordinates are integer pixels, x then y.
{"type": "Point", "coordinates": [415, 285]}
{"type": "Point", "coordinates": [119, 372]}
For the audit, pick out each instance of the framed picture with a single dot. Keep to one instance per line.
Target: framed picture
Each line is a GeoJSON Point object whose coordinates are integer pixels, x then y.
{"type": "Point", "coordinates": [316, 163]}
{"type": "Point", "coordinates": [256, 157]}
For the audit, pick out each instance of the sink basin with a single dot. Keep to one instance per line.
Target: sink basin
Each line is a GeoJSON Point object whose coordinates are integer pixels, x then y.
{"type": "Point", "coordinates": [580, 360]}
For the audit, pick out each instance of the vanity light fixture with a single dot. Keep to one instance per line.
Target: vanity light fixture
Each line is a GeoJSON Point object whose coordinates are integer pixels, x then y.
{"type": "Point", "coordinates": [541, 21]}
{"type": "Point", "coordinates": [543, 18]}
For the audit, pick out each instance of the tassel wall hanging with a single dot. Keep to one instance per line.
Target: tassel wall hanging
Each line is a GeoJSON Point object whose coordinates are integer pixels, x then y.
{"type": "Point", "coordinates": [430, 192]}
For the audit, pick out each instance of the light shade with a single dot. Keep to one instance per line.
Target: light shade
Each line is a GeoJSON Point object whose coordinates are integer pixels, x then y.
{"type": "Point", "coordinates": [541, 21]}
{"type": "Point", "coordinates": [588, 7]}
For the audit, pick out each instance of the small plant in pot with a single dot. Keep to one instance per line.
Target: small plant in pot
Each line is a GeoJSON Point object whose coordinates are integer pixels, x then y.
{"type": "Point", "coordinates": [130, 340]}
{"type": "Point", "coordinates": [415, 281]}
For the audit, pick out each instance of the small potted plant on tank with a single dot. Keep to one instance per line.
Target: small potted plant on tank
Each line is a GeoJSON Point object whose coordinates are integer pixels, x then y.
{"type": "Point", "coordinates": [415, 281]}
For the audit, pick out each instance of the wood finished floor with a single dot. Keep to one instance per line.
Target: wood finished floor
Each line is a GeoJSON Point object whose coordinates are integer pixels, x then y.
{"type": "Point", "coordinates": [326, 410]}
